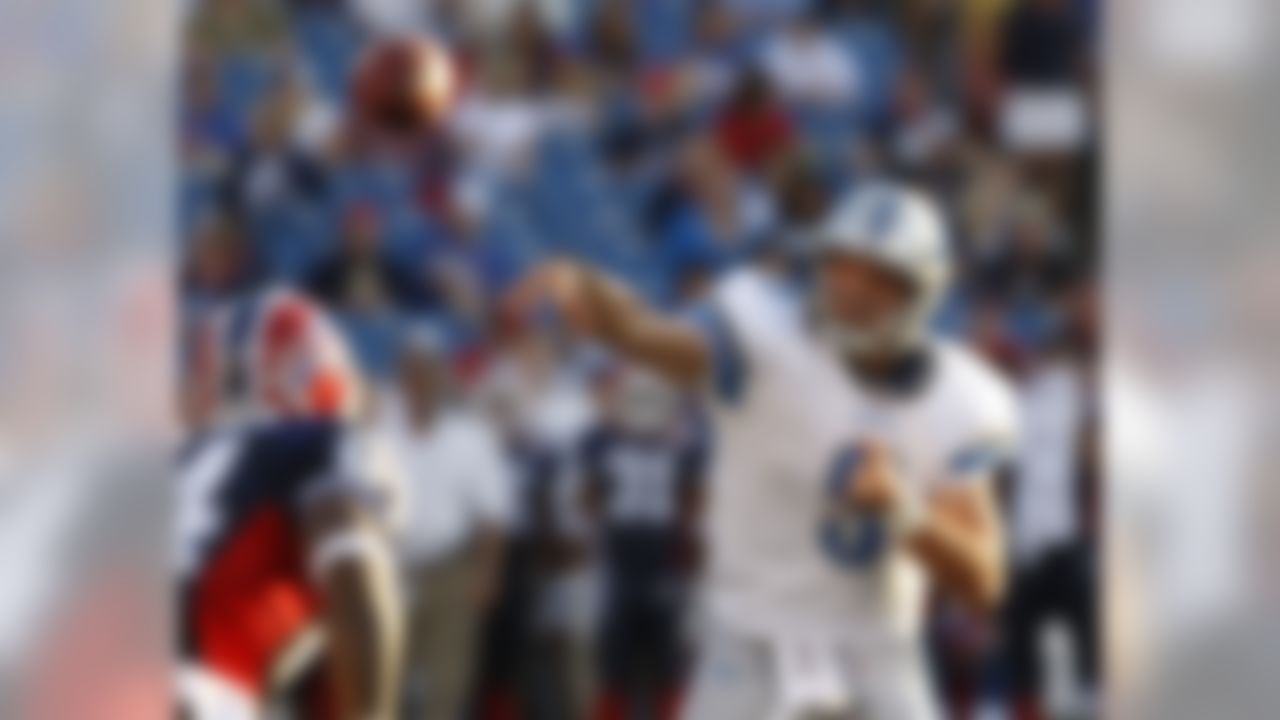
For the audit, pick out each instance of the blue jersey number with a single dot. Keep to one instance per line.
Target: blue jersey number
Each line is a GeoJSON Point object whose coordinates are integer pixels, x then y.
{"type": "Point", "coordinates": [851, 540]}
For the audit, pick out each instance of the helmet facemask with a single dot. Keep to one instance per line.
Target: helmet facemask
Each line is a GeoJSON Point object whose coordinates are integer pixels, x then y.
{"type": "Point", "coordinates": [892, 331]}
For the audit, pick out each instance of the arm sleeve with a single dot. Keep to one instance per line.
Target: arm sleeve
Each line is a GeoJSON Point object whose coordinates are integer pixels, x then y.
{"type": "Point", "coordinates": [356, 466]}
{"type": "Point", "coordinates": [730, 366]}
{"type": "Point", "coordinates": [743, 320]}
{"type": "Point", "coordinates": [989, 447]}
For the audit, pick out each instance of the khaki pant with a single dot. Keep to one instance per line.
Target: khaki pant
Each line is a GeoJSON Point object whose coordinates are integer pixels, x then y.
{"type": "Point", "coordinates": [444, 633]}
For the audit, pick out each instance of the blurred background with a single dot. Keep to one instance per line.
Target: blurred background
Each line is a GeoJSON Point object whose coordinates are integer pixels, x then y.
{"type": "Point", "coordinates": [664, 141]}
{"type": "Point", "coordinates": [92, 91]}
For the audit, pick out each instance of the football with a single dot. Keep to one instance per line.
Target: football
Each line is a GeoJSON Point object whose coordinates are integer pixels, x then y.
{"type": "Point", "coordinates": [404, 86]}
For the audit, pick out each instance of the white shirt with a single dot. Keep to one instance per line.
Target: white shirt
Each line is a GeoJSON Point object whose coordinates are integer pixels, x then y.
{"type": "Point", "coordinates": [501, 133]}
{"type": "Point", "coordinates": [458, 480]}
{"type": "Point", "coordinates": [1045, 500]}
{"type": "Point", "coordinates": [811, 68]}
{"type": "Point", "coordinates": [796, 410]}
{"type": "Point", "coordinates": [392, 16]}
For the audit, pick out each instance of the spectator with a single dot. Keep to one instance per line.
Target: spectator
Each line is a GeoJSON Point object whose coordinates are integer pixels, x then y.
{"type": "Point", "coordinates": [926, 131]}
{"type": "Point", "coordinates": [808, 67]}
{"type": "Point", "coordinates": [483, 20]}
{"type": "Point", "coordinates": [1044, 114]}
{"type": "Point", "coordinates": [716, 218]}
{"type": "Point", "coordinates": [362, 277]}
{"type": "Point", "coordinates": [531, 41]}
{"type": "Point", "coordinates": [219, 262]}
{"type": "Point", "coordinates": [719, 47]}
{"type": "Point", "coordinates": [275, 169]}
{"type": "Point", "coordinates": [753, 127]}
{"type": "Point", "coordinates": [238, 27]}
{"type": "Point", "coordinates": [461, 507]}
{"type": "Point", "coordinates": [640, 132]}
{"type": "Point", "coordinates": [801, 192]}
{"type": "Point", "coordinates": [210, 129]}
{"type": "Point", "coordinates": [471, 265]}
{"type": "Point", "coordinates": [388, 17]}
{"type": "Point", "coordinates": [1044, 46]}
{"type": "Point", "coordinates": [500, 125]}
{"type": "Point", "coordinates": [611, 42]}
{"type": "Point", "coordinates": [1032, 262]}
{"type": "Point", "coordinates": [219, 265]}
{"type": "Point", "coordinates": [763, 12]}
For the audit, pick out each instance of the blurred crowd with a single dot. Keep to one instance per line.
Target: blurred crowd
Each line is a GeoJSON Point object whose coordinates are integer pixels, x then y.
{"type": "Point", "coordinates": [553, 546]}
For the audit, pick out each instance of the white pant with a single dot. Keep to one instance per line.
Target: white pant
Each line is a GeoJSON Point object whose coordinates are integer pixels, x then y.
{"type": "Point", "coordinates": [747, 678]}
{"type": "Point", "coordinates": [207, 696]}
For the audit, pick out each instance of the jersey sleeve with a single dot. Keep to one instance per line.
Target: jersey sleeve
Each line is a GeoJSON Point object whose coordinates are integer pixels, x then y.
{"type": "Point", "coordinates": [737, 321]}
{"type": "Point", "coordinates": [354, 465]}
{"type": "Point", "coordinates": [988, 443]}
{"type": "Point", "coordinates": [729, 359]}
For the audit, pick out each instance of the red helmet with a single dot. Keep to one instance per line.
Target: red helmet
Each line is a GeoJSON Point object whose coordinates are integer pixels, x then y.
{"type": "Point", "coordinates": [274, 355]}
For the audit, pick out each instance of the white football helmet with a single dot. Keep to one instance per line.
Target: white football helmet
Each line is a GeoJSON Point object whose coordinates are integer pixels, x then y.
{"type": "Point", "coordinates": [902, 230]}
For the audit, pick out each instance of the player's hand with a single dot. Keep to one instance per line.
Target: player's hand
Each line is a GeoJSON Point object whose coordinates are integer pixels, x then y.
{"type": "Point", "coordinates": [559, 288]}
{"type": "Point", "coordinates": [874, 486]}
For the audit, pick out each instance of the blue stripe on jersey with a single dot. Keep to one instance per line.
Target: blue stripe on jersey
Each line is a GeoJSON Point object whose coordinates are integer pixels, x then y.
{"type": "Point", "coordinates": [979, 459]}
{"type": "Point", "coordinates": [854, 542]}
{"type": "Point", "coordinates": [842, 470]}
{"type": "Point", "coordinates": [730, 370]}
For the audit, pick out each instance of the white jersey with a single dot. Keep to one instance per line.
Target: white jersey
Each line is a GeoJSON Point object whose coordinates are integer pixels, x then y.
{"type": "Point", "coordinates": [787, 410]}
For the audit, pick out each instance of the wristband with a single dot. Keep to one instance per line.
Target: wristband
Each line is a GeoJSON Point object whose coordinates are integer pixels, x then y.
{"type": "Point", "coordinates": [908, 516]}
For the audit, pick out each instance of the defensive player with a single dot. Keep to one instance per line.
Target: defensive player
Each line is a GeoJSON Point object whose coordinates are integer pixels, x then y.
{"type": "Point", "coordinates": [283, 525]}
{"type": "Point", "coordinates": [854, 464]}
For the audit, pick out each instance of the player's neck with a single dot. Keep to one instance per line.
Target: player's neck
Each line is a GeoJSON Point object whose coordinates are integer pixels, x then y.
{"type": "Point", "coordinates": [900, 372]}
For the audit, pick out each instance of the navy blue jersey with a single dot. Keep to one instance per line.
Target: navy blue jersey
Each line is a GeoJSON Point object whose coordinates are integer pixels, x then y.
{"type": "Point", "coordinates": [645, 490]}
{"type": "Point", "coordinates": [246, 592]}
{"type": "Point", "coordinates": [643, 487]}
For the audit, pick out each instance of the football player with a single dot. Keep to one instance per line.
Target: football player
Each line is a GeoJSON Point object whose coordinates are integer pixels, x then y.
{"type": "Point", "coordinates": [283, 525]}
{"type": "Point", "coordinates": [855, 459]}
{"type": "Point", "coordinates": [642, 466]}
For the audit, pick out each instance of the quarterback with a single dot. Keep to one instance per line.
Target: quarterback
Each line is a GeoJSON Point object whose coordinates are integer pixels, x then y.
{"type": "Point", "coordinates": [855, 462]}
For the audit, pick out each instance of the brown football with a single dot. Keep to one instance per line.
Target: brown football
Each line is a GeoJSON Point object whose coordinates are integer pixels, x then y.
{"type": "Point", "coordinates": [404, 85]}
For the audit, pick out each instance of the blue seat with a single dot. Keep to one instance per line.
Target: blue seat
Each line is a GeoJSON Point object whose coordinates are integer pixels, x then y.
{"type": "Point", "coordinates": [330, 45]}
{"type": "Point", "coordinates": [244, 79]}
{"type": "Point", "coordinates": [290, 238]}
{"type": "Point", "coordinates": [878, 51]}
{"type": "Point", "coordinates": [374, 337]}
